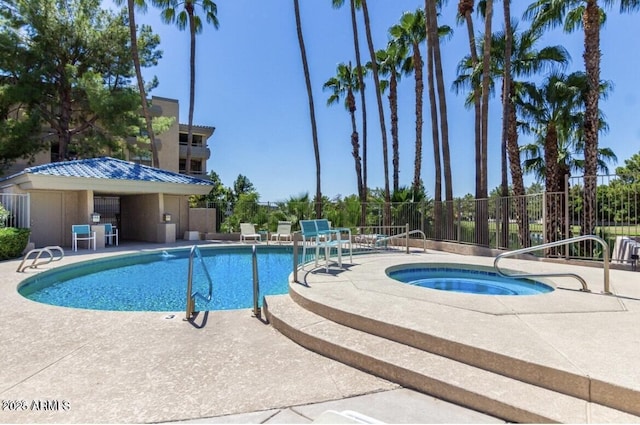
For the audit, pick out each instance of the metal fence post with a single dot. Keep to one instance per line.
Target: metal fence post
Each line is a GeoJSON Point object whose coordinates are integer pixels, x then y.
{"type": "Point", "coordinates": [567, 221]}
{"type": "Point", "coordinates": [295, 258]}
{"type": "Point", "coordinates": [459, 237]}
{"type": "Point", "coordinates": [406, 236]}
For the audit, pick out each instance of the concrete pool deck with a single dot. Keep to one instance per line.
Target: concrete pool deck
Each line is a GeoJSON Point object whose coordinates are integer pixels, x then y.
{"type": "Point", "coordinates": [144, 367]}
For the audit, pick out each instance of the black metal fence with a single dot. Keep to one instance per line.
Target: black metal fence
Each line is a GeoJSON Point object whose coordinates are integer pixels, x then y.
{"type": "Point", "coordinates": [499, 222]}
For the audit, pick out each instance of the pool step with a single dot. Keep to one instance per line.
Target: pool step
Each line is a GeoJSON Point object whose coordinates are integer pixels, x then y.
{"type": "Point", "coordinates": [439, 376]}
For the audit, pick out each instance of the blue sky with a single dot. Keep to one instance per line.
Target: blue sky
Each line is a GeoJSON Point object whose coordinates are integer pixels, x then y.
{"type": "Point", "coordinates": [250, 86]}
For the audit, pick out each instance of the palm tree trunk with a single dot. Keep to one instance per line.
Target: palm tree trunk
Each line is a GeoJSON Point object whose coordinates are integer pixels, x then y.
{"type": "Point", "coordinates": [143, 96]}
{"type": "Point", "coordinates": [192, 85]}
{"type": "Point", "coordinates": [465, 8]}
{"type": "Point", "coordinates": [506, 108]}
{"type": "Point", "coordinates": [383, 130]}
{"type": "Point", "coordinates": [435, 134]}
{"type": "Point", "coordinates": [482, 219]}
{"type": "Point", "coordinates": [314, 131]}
{"type": "Point", "coordinates": [522, 216]}
{"type": "Point", "coordinates": [553, 187]}
{"type": "Point", "coordinates": [591, 23]}
{"type": "Point", "coordinates": [432, 29]}
{"type": "Point", "coordinates": [395, 143]}
{"type": "Point", "coordinates": [363, 106]}
{"type": "Point", "coordinates": [417, 66]}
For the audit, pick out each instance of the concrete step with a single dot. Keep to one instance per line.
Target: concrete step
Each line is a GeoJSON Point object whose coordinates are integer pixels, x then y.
{"type": "Point", "coordinates": [432, 374]}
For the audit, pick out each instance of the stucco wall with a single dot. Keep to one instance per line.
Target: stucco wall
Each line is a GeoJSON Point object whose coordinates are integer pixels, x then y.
{"type": "Point", "coordinates": [140, 215]}
{"type": "Point", "coordinates": [178, 207]}
{"type": "Point", "coordinates": [202, 220]}
{"type": "Point", "coordinates": [169, 149]}
{"type": "Point", "coordinates": [48, 220]}
{"type": "Point", "coordinates": [54, 212]}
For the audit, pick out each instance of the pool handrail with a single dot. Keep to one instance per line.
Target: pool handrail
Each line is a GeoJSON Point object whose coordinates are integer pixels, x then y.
{"type": "Point", "coordinates": [256, 283]}
{"type": "Point", "coordinates": [35, 263]}
{"type": "Point", "coordinates": [585, 288]}
{"type": "Point", "coordinates": [191, 296]}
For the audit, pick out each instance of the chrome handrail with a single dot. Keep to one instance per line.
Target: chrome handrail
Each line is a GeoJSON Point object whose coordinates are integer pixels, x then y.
{"type": "Point", "coordinates": [569, 241]}
{"type": "Point", "coordinates": [191, 297]}
{"type": "Point", "coordinates": [406, 235]}
{"type": "Point", "coordinates": [256, 283]}
{"type": "Point", "coordinates": [40, 251]}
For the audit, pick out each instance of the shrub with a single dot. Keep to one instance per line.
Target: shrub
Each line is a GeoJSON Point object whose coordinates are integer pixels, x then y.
{"type": "Point", "coordinates": [12, 242]}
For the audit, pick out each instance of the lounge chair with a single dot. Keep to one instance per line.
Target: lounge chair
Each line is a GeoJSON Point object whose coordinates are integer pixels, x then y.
{"type": "Point", "coordinates": [283, 232]}
{"type": "Point", "coordinates": [248, 231]}
{"type": "Point", "coordinates": [82, 232]}
{"type": "Point", "coordinates": [110, 232]}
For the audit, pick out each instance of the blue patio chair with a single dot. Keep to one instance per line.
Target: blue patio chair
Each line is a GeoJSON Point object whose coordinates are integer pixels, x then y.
{"type": "Point", "coordinates": [82, 232]}
{"type": "Point", "coordinates": [334, 235]}
{"type": "Point", "coordinates": [110, 232]}
{"type": "Point", "coordinates": [312, 237]}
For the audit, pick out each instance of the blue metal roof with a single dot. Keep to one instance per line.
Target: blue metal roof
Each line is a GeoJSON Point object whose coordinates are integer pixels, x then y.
{"type": "Point", "coordinates": [114, 169]}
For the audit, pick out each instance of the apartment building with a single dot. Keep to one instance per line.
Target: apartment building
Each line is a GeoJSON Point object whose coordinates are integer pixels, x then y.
{"type": "Point", "coordinates": [172, 145]}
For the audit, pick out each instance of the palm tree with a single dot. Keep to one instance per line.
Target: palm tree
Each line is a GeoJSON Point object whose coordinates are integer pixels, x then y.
{"type": "Point", "coordinates": [589, 15]}
{"type": "Point", "coordinates": [312, 113]}
{"type": "Point", "coordinates": [525, 60]}
{"type": "Point", "coordinates": [555, 115]}
{"type": "Point", "coordinates": [411, 32]}
{"type": "Point", "coordinates": [383, 129]}
{"type": "Point", "coordinates": [141, 5]}
{"type": "Point", "coordinates": [182, 18]}
{"type": "Point", "coordinates": [353, 4]}
{"type": "Point", "coordinates": [344, 84]}
{"type": "Point", "coordinates": [390, 63]}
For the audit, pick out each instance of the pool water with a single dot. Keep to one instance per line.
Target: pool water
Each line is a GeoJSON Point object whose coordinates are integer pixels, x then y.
{"type": "Point", "coordinates": [158, 281]}
{"type": "Point", "coordinates": [468, 280]}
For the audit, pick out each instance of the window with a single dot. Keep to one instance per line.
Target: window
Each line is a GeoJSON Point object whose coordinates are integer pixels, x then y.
{"type": "Point", "coordinates": [196, 139]}
{"type": "Point", "coordinates": [196, 166]}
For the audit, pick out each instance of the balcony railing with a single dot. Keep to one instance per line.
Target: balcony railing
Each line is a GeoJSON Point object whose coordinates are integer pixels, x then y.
{"type": "Point", "coordinates": [197, 152]}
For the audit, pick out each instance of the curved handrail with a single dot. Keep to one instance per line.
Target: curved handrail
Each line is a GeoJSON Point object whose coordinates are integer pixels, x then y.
{"type": "Point", "coordinates": [585, 288]}
{"type": "Point", "coordinates": [191, 296]}
{"type": "Point", "coordinates": [406, 236]}
{"type": "Point", "coordinates": [48, 250]}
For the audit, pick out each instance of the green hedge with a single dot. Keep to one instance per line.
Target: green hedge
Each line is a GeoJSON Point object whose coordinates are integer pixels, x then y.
{"type": "Point", "coordinates": [12, 242]}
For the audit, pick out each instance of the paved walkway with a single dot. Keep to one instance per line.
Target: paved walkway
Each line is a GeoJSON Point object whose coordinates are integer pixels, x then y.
{"type": "Point", "coordinates": [64, 365]}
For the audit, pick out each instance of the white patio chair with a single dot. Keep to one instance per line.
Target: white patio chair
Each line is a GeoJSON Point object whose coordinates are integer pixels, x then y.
{"type": "Point", "coordinates": [283, 232]}
{"type": "Point", "coordinates": [248, 231]}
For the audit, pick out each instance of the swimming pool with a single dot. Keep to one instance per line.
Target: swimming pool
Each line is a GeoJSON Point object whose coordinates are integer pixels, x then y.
{"type": "Point", "coordinates": [157, 281]}
{"type": "Point", "coordinates": [465, 278]}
